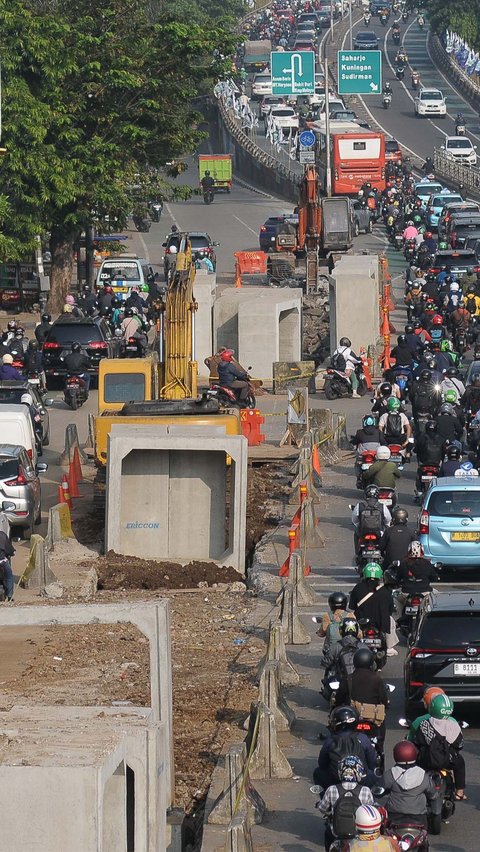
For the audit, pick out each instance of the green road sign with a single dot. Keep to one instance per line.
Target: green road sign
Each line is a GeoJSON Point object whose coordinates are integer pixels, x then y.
{"type": "Point", "coordinates": [293, 72]}
{"type": "Point", "coordinates": [359, 72]}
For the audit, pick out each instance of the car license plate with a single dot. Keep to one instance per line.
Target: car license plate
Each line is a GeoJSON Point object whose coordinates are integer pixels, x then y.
{"type": "Point", "coordinates": [411, 610]}
{"type": "Point", "coordinates": [365, 466]}
{"type": "Point", "coordinates": [465, 536]}
{"type": "Point", "coordinates": [34, 381]}
{"type": "Point", "coordinates": [387, 501]}
{"type": "Point", "coordinates": [373, 643]}
{"type": "Point", "coordinates": [427, 478]}
{"type": "Point", "coordinates": [468, 669]}
{"type": "Point", "coordinates": [396, 458]}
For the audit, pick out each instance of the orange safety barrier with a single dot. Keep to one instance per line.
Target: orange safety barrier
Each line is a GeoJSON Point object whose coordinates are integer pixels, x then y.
{"type": "Point", "coordinates": [316, 467]}
{"type": "Point", "coordinates": [293, 543]}
{"type": "Point", "coordinates": [77, 465]}
{"type": "Point", "coordinates": [303, 493]}
{"type": "Point", "coordinates": [251, 420]}
{"type": "Point", "coordinates": [385, 328]}
{"type": "Point", "coordinates": [73, 483]}
{"type": "Point", "coordinates": [249, 263]}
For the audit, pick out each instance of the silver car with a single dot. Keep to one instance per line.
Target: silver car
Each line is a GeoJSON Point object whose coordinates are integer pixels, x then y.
{"type": "Point", "coordinates": [20, 484]}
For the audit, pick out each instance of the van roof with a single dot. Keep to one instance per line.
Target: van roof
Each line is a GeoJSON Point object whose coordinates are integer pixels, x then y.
{"type": "Point", "coordinates": [14, 409]}
{"type": "Point", "coordinates": [10, 450]}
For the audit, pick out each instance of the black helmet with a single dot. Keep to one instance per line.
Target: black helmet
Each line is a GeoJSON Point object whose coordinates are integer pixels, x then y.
{"type": "Point", "coordinates": [207, 174]}
{"type": "Point", "coordinates": [425, 376]}
{"type": "Point", "coordinates": [33, 344]}
{"type": "Point", "coordinates": [46, 318]}
{"type": "Point", "coordinates": [453, 452]}
{"type": "Point", "coordinates": [431, 363]}
{"type": "Point", "coordinates": [448, 279]}
{"type": "Point", "coordinates": [87, 289]}
{"type": "Point", "coordinates": [385, 388]}
{"type": "Point", "coordinates": [129, 312]}
{"type": "Point", "coordinates": [401, 339]}
{"type": "Point", "coordinates": [174, 229]}
{"type": "Point", "coordinates": [451, 372]}
{"type": "Point", "coordinates": [372, 491]}
{"type": "Point", "coordinates": [76, 347]}
{"type": "Point", "coordinates": [12, 325]}
{"type": "Point", "coordinates": [349, 627]}
{"type": "Point", "coordinates": [430, 277]}
{"type": "Point", "coordinates": [399, 516]}
{"type": "Point", "coordinates": [363, 658]}
{"type": "Point", "coordinates": [431, 426]}
{"type": "Point", "coordinates": [343, 718]}
{"type": "Point", "coordinates": [417, 324]}
{"type": "Point", "coordinates": [409, 329]}
{"type": "Point", "coordinates": [472, 289]}
{"type": "Point", "coordinates": [344, 341]}
{"type": "Point", "coordinates": [337, 600]}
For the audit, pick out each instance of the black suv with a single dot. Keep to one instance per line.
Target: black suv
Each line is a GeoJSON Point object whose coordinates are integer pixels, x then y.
{"type": "Point", "coordinates": [456, 261]}
{"type": "Point", "coordinates": [444, 650]}
{"type": "Point", "coordinates": [93, 335]}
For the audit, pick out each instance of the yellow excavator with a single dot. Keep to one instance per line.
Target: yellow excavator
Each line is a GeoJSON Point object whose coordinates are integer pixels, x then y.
{"type": "Point", "coordinates": [161, 388]}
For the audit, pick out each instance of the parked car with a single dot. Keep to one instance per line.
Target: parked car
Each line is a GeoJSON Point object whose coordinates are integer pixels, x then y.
{"type": "Point", "coordinates": [201, 241]}
{"type": "Point", "coordinates": [362, 218]}
{"type": "Point", "coordinates": [20, 484]}
{"type": "Point", "coordinates": [429, 102]}
{"type": "Point", "coordinates": [457, 261]}
{"type": "Point", "coordinates": [393, 152]}
{"type": "Point", "coordinates": [365, 40]}
{"type": "Point", "coordinates": [93, 335]}
{"type": "Point", "coordinates": [12, 392]}
{"type": "Point", "coordinates": [460, 149]}
{"type": "Point", "coordinates": [444, 650]}
{"type": "Point", "coordinates": [436, 203]}
{"type": "Point", "coordinates": [449, 524]}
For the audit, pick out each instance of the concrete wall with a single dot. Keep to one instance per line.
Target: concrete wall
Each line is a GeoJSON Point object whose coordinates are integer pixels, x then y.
{"type": "Point", "coordinates": [204, 291]}
{"type": "Point", "coordinates": [166, 494]}
{"type": "Point", "coordinates": [354, 306]}
{"type": "Point", "coordinates": [262, 325]}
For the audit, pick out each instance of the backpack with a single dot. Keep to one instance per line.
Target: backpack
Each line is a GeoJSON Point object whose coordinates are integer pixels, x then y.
{"type": "Point", "coordinates": [343, 817]}
{"type": "Point", "coordinates": [470, 304]}
{"type": "Point", "coordinates": [434, 754]}
{"type": "Point", "coordinates": [345, 661]}
{"type": "Point", "coordinates": [343, 747]}
{"type": "Point", "coordinates": [423, 399]}
{"type": "Point", "coordinates": [333, 631]}
{"type": "Point", "coordinates": [393, 426]}
{"type": "Point", "coordinates": [436, 334]}
{"type": "Point", "coordinates": [338, 362]}
{"type": "Point", "coordinates": [371, 519]}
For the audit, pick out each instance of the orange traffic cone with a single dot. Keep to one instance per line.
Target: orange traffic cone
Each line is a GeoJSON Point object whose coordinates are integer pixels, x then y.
{"type": "Point", "coordinates": [61, 498]}
{"type": "Point", "coordinates": [72, 482]}
{"type": "Point", "coordinates": [66, 493]}
{"type": "Point", "coordinates": [316, 467]}
{"type": "Point", "coordinates": [77, 466]}
{"type": "Point", "coordinates": [293, 539]}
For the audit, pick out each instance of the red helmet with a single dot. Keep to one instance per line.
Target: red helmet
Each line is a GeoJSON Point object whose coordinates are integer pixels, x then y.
{"type": "Point", "coordinates": [405, 752]}
{"type": "Point", "coordinates": [226, 356]}
{"type": "Point", "coordinates": [107, 289]}
{"type": "Point", "coordinates": [427, 235]}
{"type": "Point", "coordinates": [430, 693]}
{"type": "Point", "coordinates": [437, 320]}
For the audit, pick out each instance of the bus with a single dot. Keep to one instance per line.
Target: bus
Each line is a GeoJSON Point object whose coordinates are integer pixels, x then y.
{"type": "Point", "coordinates": [357, 156]}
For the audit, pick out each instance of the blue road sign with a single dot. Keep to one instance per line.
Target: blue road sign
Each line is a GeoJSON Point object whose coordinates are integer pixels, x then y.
{"type": "Point", "coordinates": [359, 72]}
{"type": "Point", "coordinates": [307, 139]}
{"type": "Point", "coordinates": [293, 72]}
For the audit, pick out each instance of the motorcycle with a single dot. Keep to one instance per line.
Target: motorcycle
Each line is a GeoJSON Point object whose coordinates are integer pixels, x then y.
{"type": "Point", "coordinates": [426, 473]}
{"type": "Point", "coordinates": [396, 37]}
{"type": "Point", "coordinates": [398, 242]}
{"type": "Point", "coordinates": [131, 348]}
{"type": "Point", "coordinates": [421, 22]}
{"type": "Point", "coordinates": [34, 380]}
{"type": "Point", "coordinates": [400, 72]}
{"type": "Point", "coordinates": [208, 196]}
{"type": "Point", "coordinates": [383, 20]}
{"type": "Point", "coordinates": [75, 392]}
{"type": "Point", "coordinates": [388, 497]}
{"type": "Point", "coordinates": [442, 807]}
{"type": "Point", "coordinates": [415, 81]}
{"type": "Point", "coordinates": [363, 462]}
{"type": "Point", "coordinates": [337, 384]}
{"type": "Point", "coordinates": [142, 224]}
{"type": "Point", "coordinates": [366, 19]}
{"type": "Point", "coordinates": [404, 16]}
{"type": "Point", "coordinates": [461, 341]}
{"type": "Point", "coordinates": [386, 100]}
{"type": "Point", "coordinates": [460, 129]}
{"type": "Point", "coordinates": [371, 731]}
{"type": "Point", "coordinates": [409, 614]}
{"type": "Point", "coordinates": [374, 639]}
{"type": "Point", "coordinates": [156, 209]}
{"type": "Point", "coordinates": [409, 836]}
{"type": "Point", "coordinates": [409, 251]}
{"type": "Point", "coordinates": [397, 455]}
{"type": "Point", "coordinates": [226, 396]}
{"type": "Point", "coordinates": [368, 550]}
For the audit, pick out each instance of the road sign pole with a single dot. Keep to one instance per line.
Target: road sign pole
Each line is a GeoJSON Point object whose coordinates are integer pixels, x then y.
{"type": "Point", "coordinates": [327, 129]}
{"type": "Point", "coordinates": [350, 23]}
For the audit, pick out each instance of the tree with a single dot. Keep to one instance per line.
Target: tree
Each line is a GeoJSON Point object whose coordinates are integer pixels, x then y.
{"type": "Point", "coordinates": [462, 17]}
{"type": "Point", "coordinates": [91, 98]}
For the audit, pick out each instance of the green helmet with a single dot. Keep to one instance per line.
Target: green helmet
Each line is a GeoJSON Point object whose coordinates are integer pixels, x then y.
{"type": "Point", "coordinates": [442, 246]}
{"type": "Point", "coordinates": [441, 707]}
{"type": "Point", "coordinates": [393, 404]}
{"type": "Point", "coordinates": [372, 571]}
{"type": "Point", "coordinates": [416, 219]}
{"type": "Point", "coordinates": [451, 396]}
{"type": "Point", "coordinates": [446, 346]}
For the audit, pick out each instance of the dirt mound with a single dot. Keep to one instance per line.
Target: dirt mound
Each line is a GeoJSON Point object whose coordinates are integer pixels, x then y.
{"type": "Point", "coordinates": [128, 572]}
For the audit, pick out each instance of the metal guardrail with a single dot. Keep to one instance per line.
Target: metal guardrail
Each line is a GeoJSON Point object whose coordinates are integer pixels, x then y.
{"type": "Point", "coordinates": [456, 172]}
{"type": "Point", "coordinates": [449, 67]}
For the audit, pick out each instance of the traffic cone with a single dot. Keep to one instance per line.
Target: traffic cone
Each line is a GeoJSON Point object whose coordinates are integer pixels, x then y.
{"type": "Point", "coordinates": [292, 545]}
{"type": "Point", "coordinates": [66, 493]}
{"type": "Point", "coordinates": [61, 498]}
{"type": "Point", "coordinates": [316, 467]}
{"type": "Point", "coordinates": [73, 482]}
{"type": "Point", "coordinates": [77, 466]}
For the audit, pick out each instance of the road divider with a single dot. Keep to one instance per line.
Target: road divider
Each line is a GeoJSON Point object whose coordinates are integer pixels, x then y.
{"type": "Point", "coordinates": [37, 573]}
{"type": "Point", "coordinates": [71, 443]}
{"type": "Point", "coordinates": [276, 651]}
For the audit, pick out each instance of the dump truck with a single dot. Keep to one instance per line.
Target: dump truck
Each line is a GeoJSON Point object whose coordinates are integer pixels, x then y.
{"type": "Point", "coordinates": [257, 54]}
{"type": "Point", "coordinates": [220, 168]}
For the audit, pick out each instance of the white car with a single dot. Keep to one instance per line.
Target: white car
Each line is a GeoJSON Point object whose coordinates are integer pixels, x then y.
{"type": "Point", "coordinates": [460, 148]}
{"type": "Point", "coordinates": [285, 117]}
{"type": "Point", "coordinates": [334, 104]}
{"type": "Point", "coordinates": [430, 102]}
{"type": "Point", "coordinates": [262, 85]}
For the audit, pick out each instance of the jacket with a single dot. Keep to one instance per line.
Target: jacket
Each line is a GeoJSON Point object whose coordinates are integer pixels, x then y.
{"type": "Point", "coordinates": [402, 355]}
{"type": "Point", "coordinates": [365, 686]}
{"type": "Point", "coordinates": [369, 436]}
{"type": "Point", "coordinates": [429, 448]}
{"type": "Point", "coordinates": [41, 331]}
{"type": "Point", "coordinates": [333, 654]}
{"type": "Point", "coordinates": [6, 548]}
{"type": "Point", "coordinates": [449, 427]}
{"type": "Point", "coordinates": [378, 608]}
{"type": "Point", "coordinates": [77, 363]}
{"type": "Point", "coordinates": [382, 473]}
{"type": "Point", "coordinates": [365, 742]}
{"type": "Point", "coordinates": [396, 542]}
{"type": "Point", "coordinates": [408, 788]}
{"type": "Point", "coordinates": [229, 372]}
{"type": "Point", "coordinates": [380, 844]}
{"type": "Point", "coordinates": [8, 372]}
{"type": "Point", "coordinates": [350, 358]}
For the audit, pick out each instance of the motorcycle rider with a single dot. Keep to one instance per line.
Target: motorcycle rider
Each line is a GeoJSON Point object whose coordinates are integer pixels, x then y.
{"type": "Point", "coordinates": [135, 300]}
{"type": "Point", "coordinates": [383, 472]}
{"type": "Point", "coordinates": [440, 732]}
{"type": "Point", "coordinates": [384, 391]}
{"type": "Point", "coordinates": [459, 123]}
{"type": "Point", "coordinates": [132, 326]}
{"type": "Point", "coordinates": [77, 364]}
{"type": "Point", "coordinates": [42, 329]}
{"type": "Point", "coordinates": [452, 382]}
{"type": "Point", "coordinates": [372, 600]}
{"type": "Point", "coordinates": [452, 463]}
{"type": "Point", "coordinates": [343, 741]}
{"type": "Point", "coordinates": [351, 360]}
{"type": "Point", "coordinates": [330, 626]}
{"type": "Point", "coordinates": [394, 424]}
{"type": "Point", "coordinates": [429, 447]}
{"type": "Point", "coordinates": [202, 261]}
{"type": "Point", "coordinates": [415, 574]}
{"type": "Point", "coordinates": [339, 660]}
{"type": "Point", "coordinates": [387, 89]}
{"type": "Point", "coordinates": [351, 772]}
{"type": "Point", "coordinates": [231, 376]}
{"type": "Point", "coordinates": [104, 300]}
{"type": "Point", "coordinates": [413, 341]}
{"type": "Point", "coordinates": [430, 693]}
{"type": "Point", "coordinates": [472, 301]}
{"type": "Point", "coordinates": [428, 168]}
{"type": "Point", "coordinates": [423, 396]}
{"type": "Point", "coordinates": [27, 399]}
{"type": "Point", "coordinates": [401, 353]}
{"type": "Point", "coordinates": [88, 300]}
{"type": "Point", "coordinates": [76, 311]}
{"type": "Point", "coordinates": [20, 339]}
{"type": "Point", "coordinates": [207, 182]}
{"type": "Point", "coordinates": [449, 425]}
{"type": "Point", "coordinates": [33, 362]}
{"type": "Point", "coordinates": [460, 319]}
{"type": "Point", "coordinates": [369, 512]}
{"type": "Point", "coordinates": [365, 690]}
{"type": "Point", "coordinates": [368, 822]}
{"type": "Point", "coordinates": [367, 438]}
{"type": "Point", "coordinates": [7, 371]}
{"type": "Point", "coordinates": [409, 787]}
{"type": "Point", "coordinates": [397, 538]}
{"type": "Point", "coordinates": [471, 398]}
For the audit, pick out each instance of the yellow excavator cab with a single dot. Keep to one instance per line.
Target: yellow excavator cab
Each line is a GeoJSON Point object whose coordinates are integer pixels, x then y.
{"type": "Point", "coordinates": [122, 380]}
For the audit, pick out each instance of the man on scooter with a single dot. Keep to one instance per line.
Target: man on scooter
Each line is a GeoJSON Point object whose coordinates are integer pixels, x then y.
{"type": "Point", "coordinates": [409, 787]}
{"type": "Point", "coordinates": [231, 376]}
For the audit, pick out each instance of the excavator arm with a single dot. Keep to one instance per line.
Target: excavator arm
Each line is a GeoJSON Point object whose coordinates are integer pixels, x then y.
{"type": "Point", "coordinates": [177, 325]}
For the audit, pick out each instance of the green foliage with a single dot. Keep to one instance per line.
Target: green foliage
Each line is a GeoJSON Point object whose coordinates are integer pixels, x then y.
{"type": "Point", "coordinates": [462, 17]}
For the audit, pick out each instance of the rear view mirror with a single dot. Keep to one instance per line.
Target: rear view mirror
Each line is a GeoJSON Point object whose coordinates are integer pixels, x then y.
{"type": "Point", "coordinates": [334, 684]}
{"type": "Point", "coordinates": [390, 687]}
{"type": "Point", "coordinates": [403, 723]}
{"type": "Point", "coordinates": [464, 725]}
{"type": "Point", "coordinates": [42, 467]}
{"type": "Point", "coordinates": [317, 619]}
{"type": "Point", "coordinates": [49, 400]}
{"type": "Point", "coordinates": [8, 506]}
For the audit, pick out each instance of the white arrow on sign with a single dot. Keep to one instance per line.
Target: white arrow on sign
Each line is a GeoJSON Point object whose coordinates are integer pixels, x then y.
{"type": "Point", "coordinates": [291, 70]}
{"type": "Point", "coordinates": [374, 87]}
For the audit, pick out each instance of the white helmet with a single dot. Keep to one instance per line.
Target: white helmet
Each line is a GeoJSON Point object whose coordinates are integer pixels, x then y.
{"type": "Point", "coordinates": [383, 454]}
{"type": "Point", "coordinates": [367, 819]}
{"type": "Point", "coordinates": [26, 399]}
{"type": "Point", "coordinates": [172, 249]}
{"type": "Point", "coordinates": [454, 287]}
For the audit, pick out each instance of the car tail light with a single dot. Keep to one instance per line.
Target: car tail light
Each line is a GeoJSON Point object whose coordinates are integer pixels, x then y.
{"type": "Point", "coordinates": [371, 537]}
{"type": "Point", "coordinates": [97, 344]}
{"type": "Point", "coordinates": [370, 632]}
{"type": "Point", "coordinates": [417, 683]}
{"type": "Point", "coordinates": [364, 726]}
{"type": "Point", "coordinates": [19, 480]}
{"type": "Point", "coordinates": [30, 454]}
{"type": "Point", "coordinates": [263, 229]}
{"type": "Point", "coordinates": [434, 270]}
{"type": "Point", "coordinates": [415, 601]}
{"type": "Point", "coordinates": [476, 268]}
{"type": "Point", "coordinates": [424, 525]}
{"type": "Point", "coordinates": [51, 346]}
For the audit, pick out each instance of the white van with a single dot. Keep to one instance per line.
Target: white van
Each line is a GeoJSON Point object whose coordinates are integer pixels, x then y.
{"type": "Point", "coordinates": [16, 427]}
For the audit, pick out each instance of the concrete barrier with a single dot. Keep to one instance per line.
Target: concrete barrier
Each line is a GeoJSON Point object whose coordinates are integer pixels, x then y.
{"type": "Point", "coordinates": [71, 442]}
{"type": "Point", "coordinates": [295, 632]}
{"type": "Point", "coordinates": [270, 694]}
{"type": "Point", "coordinates": [276, 652]}
{"type": "Point", "coordinates": [239, 835]}
{"type": "Point", "coordinates": [37, 573]}
{"type": "Point", "coordinates": [90, 442]}
{"type": "Point", "coordinates": [305, 595]}
{"type": "Point", "coordinates": [268, 760]}
{"type": "Point", "coordinates": [238, 794]}
{"type": "Point", "coordinates": [59, 524]}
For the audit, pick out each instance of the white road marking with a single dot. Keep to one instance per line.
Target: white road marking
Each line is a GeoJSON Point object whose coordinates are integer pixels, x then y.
{"type": "Point", "coordinates": [172, 217]}
{"type": "Point", "coordinates": [245, 225]}
{"type": "Point", "coordinates": [144, 247]}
